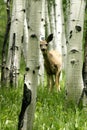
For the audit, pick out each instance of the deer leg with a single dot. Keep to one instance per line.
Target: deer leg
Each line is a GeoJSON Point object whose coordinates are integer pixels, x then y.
{"type": "Point", "coordinates": [57, 81]}
{"type": "Point", "coordinates": [50, 83]}
{"type": "Point", "coordinates": [53, 80]}
{"type": "Point", "coordinates": [48, 80]}
{"type": "Point", "coordinates": [50, 86]}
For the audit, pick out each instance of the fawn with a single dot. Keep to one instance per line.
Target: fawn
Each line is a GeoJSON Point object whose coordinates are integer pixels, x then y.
{"type": "Point", "coordinates": [52, 63]}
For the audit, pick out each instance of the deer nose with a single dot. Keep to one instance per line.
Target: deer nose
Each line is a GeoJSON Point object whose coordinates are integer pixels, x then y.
{"type": "Point", "coordinates": [43, 49]}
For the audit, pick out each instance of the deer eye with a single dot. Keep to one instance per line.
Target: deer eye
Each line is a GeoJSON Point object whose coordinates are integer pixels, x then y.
{"type": "Point", "coordinates": [40, 45]}
{"type": "Point", "coordinates": [46, 44]}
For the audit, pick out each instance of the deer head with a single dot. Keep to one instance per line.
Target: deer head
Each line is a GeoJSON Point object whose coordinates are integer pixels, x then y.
{"type": "Point", "coordinates": [44, 44]}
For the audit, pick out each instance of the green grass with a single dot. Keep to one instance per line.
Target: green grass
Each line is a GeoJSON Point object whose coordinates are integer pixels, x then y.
{"type": "Point", "coordinates": [51, 111]}
{"type": "Point", "coordinates": [10, 104]}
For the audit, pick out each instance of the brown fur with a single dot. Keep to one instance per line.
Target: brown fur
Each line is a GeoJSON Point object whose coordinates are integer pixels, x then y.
{"type": "Point", "coordinates": [52, 63]}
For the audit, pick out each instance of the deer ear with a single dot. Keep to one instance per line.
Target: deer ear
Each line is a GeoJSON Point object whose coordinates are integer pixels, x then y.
{"type": "Point", "coordinates": [49, 38]}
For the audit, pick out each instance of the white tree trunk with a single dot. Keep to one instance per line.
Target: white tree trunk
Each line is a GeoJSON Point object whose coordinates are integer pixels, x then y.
{"type": "Point", "coordinates": [52, 24]}
{"type": "Point", "coordinates": [67, 19]}
{"type": "Point", "coordinates": [32, 64]}
{"type": "Point", "coordinates": [42, 36]}
{"type": "Point", "coordinates": [58, 25]}
{"type": "Point", "coordinates": [47, 28]}
{"type": "Point", "coordinates": [16, 38]}
{"type": "Point", "coordinates": [25, 42]}
{"type": "Point", "coordinates": [74, 81]}
{"type": "Point", "coordinates": [64, 47]}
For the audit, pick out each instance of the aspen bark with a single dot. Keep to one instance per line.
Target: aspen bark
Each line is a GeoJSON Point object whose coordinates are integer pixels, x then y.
{"type": "Point", "coordinates": [32, 65]}
{"type": "Point", "coordinates": [74, 81]}
{"type": "Point", "coordinates": [15, 40]}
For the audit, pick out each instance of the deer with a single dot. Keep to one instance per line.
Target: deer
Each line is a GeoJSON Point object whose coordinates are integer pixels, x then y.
{"type": "Point", "coordinates": [52, 63]}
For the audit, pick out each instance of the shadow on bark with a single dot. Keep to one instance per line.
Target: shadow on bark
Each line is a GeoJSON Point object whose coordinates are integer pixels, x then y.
{"type": "Point", "coordinates": [27, 95]}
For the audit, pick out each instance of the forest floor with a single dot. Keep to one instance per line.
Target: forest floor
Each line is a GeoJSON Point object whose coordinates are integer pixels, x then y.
{"type": "Point", "coordinates": [51, 111]}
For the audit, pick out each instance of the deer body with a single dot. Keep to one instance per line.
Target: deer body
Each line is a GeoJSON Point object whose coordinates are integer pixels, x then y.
{"type": "Point", "coordinates": [52, 64]}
